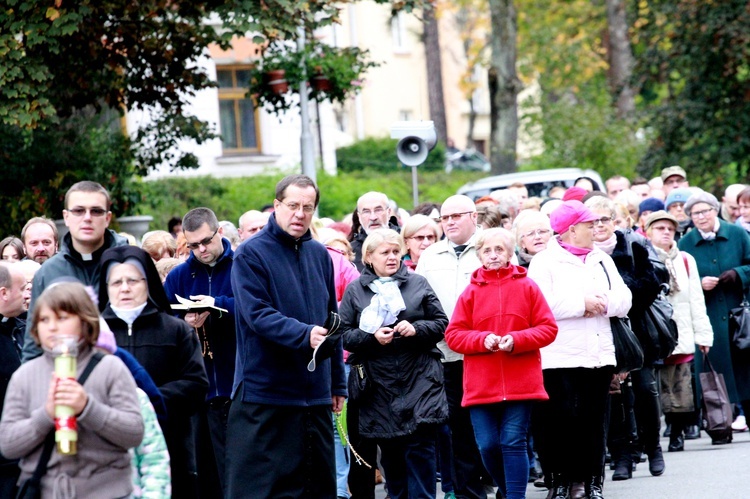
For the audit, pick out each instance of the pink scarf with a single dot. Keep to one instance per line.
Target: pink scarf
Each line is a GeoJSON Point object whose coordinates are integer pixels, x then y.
{"type": "Point", "coordinates": [581, 253]}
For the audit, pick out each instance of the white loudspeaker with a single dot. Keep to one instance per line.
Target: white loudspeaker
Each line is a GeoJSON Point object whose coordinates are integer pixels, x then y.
{"type": "Point", "coordinates": [417, 138]}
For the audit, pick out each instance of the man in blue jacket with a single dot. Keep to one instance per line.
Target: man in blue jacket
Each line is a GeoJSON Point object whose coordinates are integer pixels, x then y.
{"type": "Point", "coordinates": [206, 277]}
{"type": "Point", "coordinates": [280, 421]}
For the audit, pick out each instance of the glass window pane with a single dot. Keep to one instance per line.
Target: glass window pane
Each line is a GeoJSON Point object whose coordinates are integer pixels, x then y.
{"type": "Point", "coordinates": [247, 128]}
{"type": "Point", "coordinates": [228, 124]}
{"type": "Point", "coordinates": [224, 78]}
{"type": "Point", "coordinates": [243, 78]}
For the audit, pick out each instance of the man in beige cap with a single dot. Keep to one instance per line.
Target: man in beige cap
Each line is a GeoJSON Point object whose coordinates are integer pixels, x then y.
{"type": "Point", "coordinates": [673, 177]}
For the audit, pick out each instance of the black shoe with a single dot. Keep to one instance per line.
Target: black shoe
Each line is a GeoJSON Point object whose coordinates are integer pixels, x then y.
{"type": "Point", "coordinates": [623, 468]}
{"type": "Point", "coordinates": [559, 488]}
{"type": "Point", "coordinates": [541, 483]}
{"type": "Point", "coordinates": [692, 432]}
{"type": "Point", "coordinates": [676, 444]}
{"type": "Point", "coordinates": [722, 441]}
{"type": "Point", "coordinates": [656, 461]}
{"type": "Point", "coordinates": [595, 488]}
{"type": "Point", "coordinates": [533, 475]}
{"type": "Point", "coordinates": [667, 430]}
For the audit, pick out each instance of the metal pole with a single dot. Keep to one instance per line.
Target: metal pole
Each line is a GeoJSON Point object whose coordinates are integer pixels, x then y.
{"type": "Point", "coordinates": [306, 138]}
{"type": "Point", "coordinates": [414, 186]}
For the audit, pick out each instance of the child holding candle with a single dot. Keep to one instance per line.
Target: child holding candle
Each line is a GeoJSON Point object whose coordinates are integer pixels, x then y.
{"type": "Point", "coordinates": [106, 407]}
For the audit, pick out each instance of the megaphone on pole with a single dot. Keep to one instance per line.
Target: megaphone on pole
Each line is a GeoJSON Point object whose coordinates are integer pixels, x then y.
{"type": "Point", "coordinates": [417, 138]}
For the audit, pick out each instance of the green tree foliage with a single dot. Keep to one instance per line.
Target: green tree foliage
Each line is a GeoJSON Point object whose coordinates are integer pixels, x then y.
{"type": "Point", "coordinates": [379, 154]}
{"type": "Point", "coordinates": [693, 59]}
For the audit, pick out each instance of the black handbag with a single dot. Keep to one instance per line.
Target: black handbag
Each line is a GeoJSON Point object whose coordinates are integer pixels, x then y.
{"type": "Point", "coordinates": [31, 488]}
{"type": "Point", "coordinates": [628, 351]}
{"type": "Point", "coordinates": [661, 328]}
{"type": "Point", "coordinates": [739, 325]}
{"type": "Point", "coordinates": [358, 382]}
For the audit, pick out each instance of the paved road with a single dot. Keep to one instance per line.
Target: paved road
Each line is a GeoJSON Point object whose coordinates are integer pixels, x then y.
{"type": "Point", "coordinates": [702, 471]}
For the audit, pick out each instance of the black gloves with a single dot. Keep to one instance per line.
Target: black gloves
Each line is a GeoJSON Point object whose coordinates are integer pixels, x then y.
{"type": "Point", "coordinates": [730, 280]}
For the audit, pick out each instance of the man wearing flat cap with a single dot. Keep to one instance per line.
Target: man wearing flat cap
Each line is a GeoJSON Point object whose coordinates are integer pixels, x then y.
{"type": "Point", "coordinates": [722, 252]}
{"type": "Point", "coordinates": [673, 177]}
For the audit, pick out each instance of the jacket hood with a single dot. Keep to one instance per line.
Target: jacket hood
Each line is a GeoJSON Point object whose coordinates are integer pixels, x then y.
{"type": "Point", "coordinates": [119, 254]}
{"type": "Point", "coordinates": [483, 276]}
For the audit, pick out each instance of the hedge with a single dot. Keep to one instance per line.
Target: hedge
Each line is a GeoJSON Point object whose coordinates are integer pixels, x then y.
{"type": "Point", "coordinates": [379, 154]}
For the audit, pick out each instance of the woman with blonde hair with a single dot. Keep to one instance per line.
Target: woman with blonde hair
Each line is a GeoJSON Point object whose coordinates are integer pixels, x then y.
{"type": "Point", "coordinates": [532, 232]}
{"type": "Point", "coordinates": [392, 321]}
{"type": "Point", "coordinates": [159, 244]}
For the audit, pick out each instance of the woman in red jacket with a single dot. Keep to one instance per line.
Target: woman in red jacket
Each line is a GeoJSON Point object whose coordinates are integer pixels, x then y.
{"type": "Point", "coordinates": [500, 322]}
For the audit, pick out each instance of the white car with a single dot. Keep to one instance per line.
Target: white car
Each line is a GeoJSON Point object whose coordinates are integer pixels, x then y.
{"type": "Point", "coordinates": [538, 182]}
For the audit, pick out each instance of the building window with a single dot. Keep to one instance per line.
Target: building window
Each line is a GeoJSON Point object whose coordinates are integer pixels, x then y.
{"type": "Point", "coordinates": [237, 115]}
{"type": "Point", "coordinates": [398, 34]}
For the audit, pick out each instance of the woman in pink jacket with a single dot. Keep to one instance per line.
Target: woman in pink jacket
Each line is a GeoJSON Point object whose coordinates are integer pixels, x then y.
{"type": "Point", "coordinates": [500, 322]}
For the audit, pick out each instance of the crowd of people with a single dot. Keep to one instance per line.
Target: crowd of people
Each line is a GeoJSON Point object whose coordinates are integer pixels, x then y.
{"type": "Point", "coordinates": [468, 342]}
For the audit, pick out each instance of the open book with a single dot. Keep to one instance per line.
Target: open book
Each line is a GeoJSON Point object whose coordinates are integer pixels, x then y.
{"type": "Point", "coordinates": [194, 306]}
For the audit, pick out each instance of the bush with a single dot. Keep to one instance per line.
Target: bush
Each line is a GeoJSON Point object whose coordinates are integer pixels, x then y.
{"type": "Point", "coordinates": [379, 154]}
{"type": "Point", "coordinates": [231, 197]}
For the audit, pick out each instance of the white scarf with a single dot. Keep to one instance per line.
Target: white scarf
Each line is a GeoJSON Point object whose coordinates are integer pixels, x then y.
{"type": "Point", "coordinates": [128, 315]}
{"type": "Point", "coordinates": [607, 246]}
{"type": "Point", "coordinates": [384, 306]}
{"type": "Point", "coordinates": [710, 236]}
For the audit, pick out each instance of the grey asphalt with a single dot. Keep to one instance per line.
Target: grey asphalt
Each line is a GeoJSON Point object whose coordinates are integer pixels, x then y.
{"type": "Point", "coordinates": [701, 471]}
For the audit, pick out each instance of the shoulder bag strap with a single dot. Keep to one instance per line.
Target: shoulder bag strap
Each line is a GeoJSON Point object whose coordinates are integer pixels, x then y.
{"type": "Point", "coordinates": [684, 260]}
{"type": "Point", "coordinates": [606, 273]}
{"type": "Point", "coordinates": [49, 441]}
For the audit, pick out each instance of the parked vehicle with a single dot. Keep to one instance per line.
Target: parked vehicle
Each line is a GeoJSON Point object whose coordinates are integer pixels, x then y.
{"type": "Point", "coordinates": [466, 160]}
{"type": "Point", "coordinates": [538, 182]}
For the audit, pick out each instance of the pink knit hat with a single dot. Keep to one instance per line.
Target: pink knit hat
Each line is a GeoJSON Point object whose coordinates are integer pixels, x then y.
{"type": "Point", "coordinates": [570, 213]}
{"type": "Point", "coordinates": [574, 192]}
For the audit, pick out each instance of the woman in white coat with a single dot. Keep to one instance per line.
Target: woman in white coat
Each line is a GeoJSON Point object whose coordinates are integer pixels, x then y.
{"type": "Point", "coordinates": [584, 289]}
{"type": "Point", "coordinates": [693, 326]}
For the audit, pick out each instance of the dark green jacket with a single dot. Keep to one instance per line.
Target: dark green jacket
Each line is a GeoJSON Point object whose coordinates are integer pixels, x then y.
{"type": "Point", "coordinates": [730, 250]}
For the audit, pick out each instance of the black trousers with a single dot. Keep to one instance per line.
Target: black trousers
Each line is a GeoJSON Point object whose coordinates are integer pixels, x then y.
{"type": "Point", "coordinates": [361, 478]}
{"type": "Point", "coordinates": [647, 407]}
{"type": "Point", "coordinates": [467, 462]}
{"type": "Point", "coordinates": [280, 451]}
{"type": "Point", "coordinates": [574, 421]}
{"type": "Point", "coordinates": [210, 436]}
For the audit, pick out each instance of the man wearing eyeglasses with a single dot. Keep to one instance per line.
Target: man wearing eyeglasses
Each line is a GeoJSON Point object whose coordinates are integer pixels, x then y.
{"type": "Point", "coordinates": [87, 217]}
{"type": "Point", "coordinates": [280, 422]}
{"type": "Point", "coordinates": [206, 277]}
{"type": "Point", "coordinates": [373, 213]}
{"type": "Point", "coordinates": [448, 265]}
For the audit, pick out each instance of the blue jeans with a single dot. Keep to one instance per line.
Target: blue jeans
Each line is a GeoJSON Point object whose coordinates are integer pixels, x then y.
{"type": "Point", "coordinates": [501, 432]}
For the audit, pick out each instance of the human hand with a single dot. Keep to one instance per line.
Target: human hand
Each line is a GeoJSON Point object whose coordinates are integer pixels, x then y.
{"type": "Point", "coordinates": [405, 328]}
{"type": "Point", "coordinates": [204, 299]}
{"type": "Point", "coordinates": [384, 335]}
{"type": "Point", "coordinates": [317, 335]}
{"type": "Point", "coordinates": [506, 343]}
{"type": "Point", "coordinates": [709, 282]}
{"type": "Point", "coordinates": [730, 279]}
{"type": "Point", "coordinates": [492, 342]}
{"type": "Point", "coordinates": [196, 319]}
{"type": "Point", "coordinates": [595, 304]}
{"type": "Point", "coordinates": [704, 348]}
{"type": "Point", "coordinates": [338, 403]}
{"type": "Point", "coordinates": [69, 392]}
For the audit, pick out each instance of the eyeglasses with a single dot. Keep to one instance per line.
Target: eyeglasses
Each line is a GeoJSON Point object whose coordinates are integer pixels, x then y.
{"type": "Point", "coordinates": [602, 221]}
{"type": "Point", "coordinates": [130, 281]}
{"type": "Point", "coordinates": [202, 242]}
{"type": "Point", "coordinates": [700, 214]}
{"type": "Point", "coordinates": [307, 209]}
{"type": "Point", "coordinates": [454, 217]}
{"type": "Point", "coordinates": [536, 233]}
{"type": "Point", "coordinates": [95, 212]}
{"type": "Point", "coordinates": [377, 211]}
{"type": "Point", "coordinates": [431, 238]}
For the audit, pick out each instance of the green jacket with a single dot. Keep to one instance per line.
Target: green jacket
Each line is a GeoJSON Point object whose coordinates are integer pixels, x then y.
{"type": "Point", "coordinates": [730, 250]}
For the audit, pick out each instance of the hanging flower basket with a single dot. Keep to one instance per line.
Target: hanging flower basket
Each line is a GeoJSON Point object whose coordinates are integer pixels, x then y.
{"type": "Point", "coordinates": [276, 81]}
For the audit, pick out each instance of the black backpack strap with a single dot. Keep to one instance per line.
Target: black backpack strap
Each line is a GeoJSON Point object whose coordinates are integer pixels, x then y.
{"type": "Point", "coordinates": [49, 441]}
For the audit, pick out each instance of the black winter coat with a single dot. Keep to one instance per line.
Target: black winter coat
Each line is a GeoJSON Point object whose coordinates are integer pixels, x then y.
{"type": "Point", "coordinates": [169, 351]}
{"type": "Point", "coordinates": [406, 375]}
{"type": "Point", "coordinates": [643, 275]}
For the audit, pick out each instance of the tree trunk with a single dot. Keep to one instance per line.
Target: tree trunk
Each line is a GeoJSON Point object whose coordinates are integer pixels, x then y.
{"type": "Point", "coordinates": [434, 74]}
{"type": "Point", "coordinates": [504, 86]}
{"type": "Point", "coordinates": [620, 58]}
